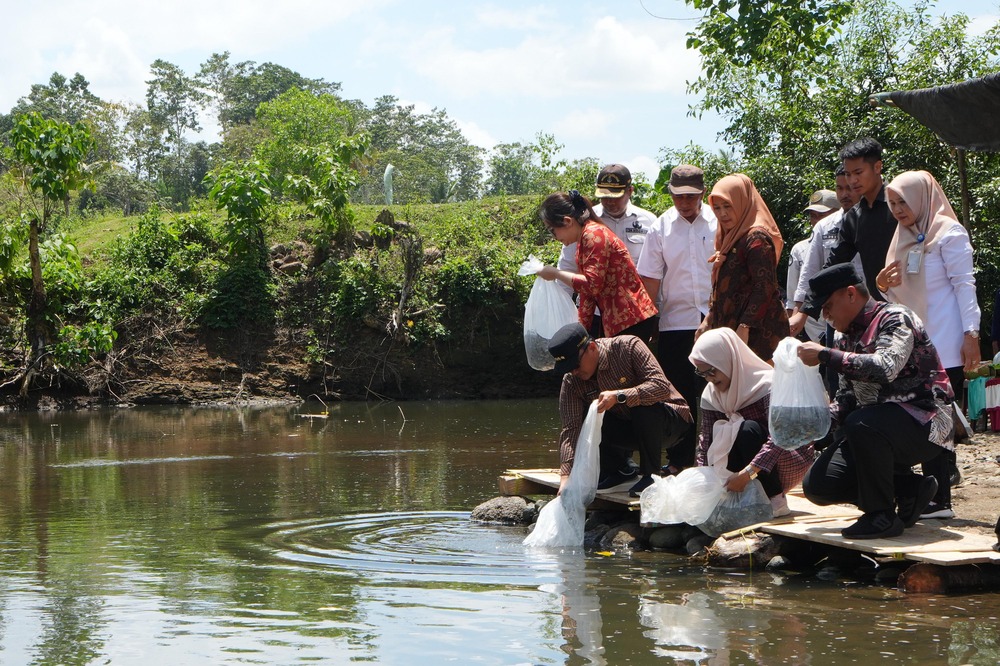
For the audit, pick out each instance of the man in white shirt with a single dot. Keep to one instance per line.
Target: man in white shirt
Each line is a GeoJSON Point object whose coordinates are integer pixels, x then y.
{"type": "Point", "coordinates": [629, 222]}
{"type": "Point", "coordinates": [822, 204]}
{"type": "Point", "coordinates": [825, 235]}
{"type": "Point", "coordinates": [675, 271]}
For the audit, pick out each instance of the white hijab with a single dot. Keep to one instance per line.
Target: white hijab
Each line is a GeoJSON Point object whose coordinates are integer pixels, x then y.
{"type": "Point", "coordinates": [750, 380]}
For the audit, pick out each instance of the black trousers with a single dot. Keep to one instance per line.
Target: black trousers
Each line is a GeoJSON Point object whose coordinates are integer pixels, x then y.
{"type": "Point", "coordinates": [870, 462]}
{"type": "Point", "coordinates": [748, 444]}
{"type": "Point", "coordinates": [648, 430]}
{"type": "Point", "coordinates": [672, 352]}
{"type": "Point", "coordinates": [940, 466]}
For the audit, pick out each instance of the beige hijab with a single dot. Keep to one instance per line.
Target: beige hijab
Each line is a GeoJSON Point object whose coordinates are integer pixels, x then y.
{"type": "Point", "coordinates": [750, 210]}
{"type": "Point", "coordinates": [750, 380]}
{"type": "Point", "coordinates": [934, 215]}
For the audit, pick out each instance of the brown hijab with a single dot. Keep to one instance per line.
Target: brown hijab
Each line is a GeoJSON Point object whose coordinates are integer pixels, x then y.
{"type": "Point", "coordinates": [750, 211]}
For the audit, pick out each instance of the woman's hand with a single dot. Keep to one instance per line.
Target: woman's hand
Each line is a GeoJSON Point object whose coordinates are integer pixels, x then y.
{"type": "Point", "coordinates": [702, 327]}
{"type": "Point", "coordinates": [743, 332]}
{"type": "Point", "coordinates": [738, 482]}
{"type": "Point", "coordinates": [889, 277]}
{"type": "Point", "coordinates": [562, 483]}
{"type": "Point", "coordinates": [971, 355]}
{"type": "Point", "coordinates": [548, 273]}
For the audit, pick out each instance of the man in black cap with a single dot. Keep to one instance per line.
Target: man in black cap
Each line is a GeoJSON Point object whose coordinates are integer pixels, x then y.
{"type": "Point", "coordinates": [617, 212]}
{"type": "Point", "coordinates": [892, 406]}
{"type": "Point", "coordinates": [642, 410]}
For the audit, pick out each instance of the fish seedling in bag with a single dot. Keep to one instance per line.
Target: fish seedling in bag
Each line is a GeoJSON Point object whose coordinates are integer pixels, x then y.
{"type": "Point", "coordinates": [800, 409]}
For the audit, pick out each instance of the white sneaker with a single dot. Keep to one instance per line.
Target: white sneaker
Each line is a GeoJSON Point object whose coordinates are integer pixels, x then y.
{"type": "Point", "coordinates": [937, 511]}
{"type": "Point", "coordinates": [779, 506]}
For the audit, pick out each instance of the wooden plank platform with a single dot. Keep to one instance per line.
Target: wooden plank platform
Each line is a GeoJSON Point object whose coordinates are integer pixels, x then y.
{"type": "Point", "coordinates": [931, 541]}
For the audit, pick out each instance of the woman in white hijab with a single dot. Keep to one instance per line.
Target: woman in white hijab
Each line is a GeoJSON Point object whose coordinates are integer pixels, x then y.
{"type": "Point", "coordinates": [734, 434]}
{"type": "Point", "coordinates": [929, 270]}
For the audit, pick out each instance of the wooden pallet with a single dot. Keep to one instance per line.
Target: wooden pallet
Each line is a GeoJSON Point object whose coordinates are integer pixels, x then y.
{"type": "Point", "coordinates": [931, 541]}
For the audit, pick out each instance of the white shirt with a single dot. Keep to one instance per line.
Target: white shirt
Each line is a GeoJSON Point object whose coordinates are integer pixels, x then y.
{"type": "Point", "coordinates": [827, 232]}
{"type": "Point", "coordinates": [951, 295]}
{"type": "Point", "coordinates": [676, 253]}
{"type": "Point", "coordinates": [796, 259]}
{"type": "Point", "coordinates": [632, 228]}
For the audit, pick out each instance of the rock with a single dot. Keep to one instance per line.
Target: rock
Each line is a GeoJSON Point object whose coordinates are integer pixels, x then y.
{"type": "Point", "coordinates": [750, 551]}
{"type": "Point", "coordinates": [669, 537]}
{"type": "Point", "coordinates": [888, 574]}
{"type": "Point", "coordinates": [595, 518]}
{"type": "Point", "coordinates": [592, 537]}
{"type": "Point", "coordinates": [432, 255]}
{"type": "Point", "coordinates": [622, 537]}
{"type": "Point", "coordinates": [363, 239]}
{"type": "Point", "coordinates": [778, 563]}
{"type": "Point", "coordinates": [291, 267]}
{"type": "Point", "coordinates": [514, 510]}
{"type": "Point", "coordinates": [698, 543]}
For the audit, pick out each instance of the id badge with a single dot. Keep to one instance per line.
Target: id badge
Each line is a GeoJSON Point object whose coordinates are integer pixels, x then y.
{"type": "Point", "coordinates": [913, 260]}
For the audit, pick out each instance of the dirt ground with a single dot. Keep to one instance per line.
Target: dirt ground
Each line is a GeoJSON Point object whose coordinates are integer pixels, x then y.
{"type": "Point", "coordinates": [976, 500]}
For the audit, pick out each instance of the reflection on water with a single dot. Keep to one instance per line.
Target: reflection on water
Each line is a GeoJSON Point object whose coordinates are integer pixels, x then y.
{"type": "Point", "coordinates": [225, 536]}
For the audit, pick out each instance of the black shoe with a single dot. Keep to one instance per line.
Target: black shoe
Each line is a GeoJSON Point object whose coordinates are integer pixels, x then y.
{"type": "Point", "coordinates": [954, 476]}
{"type": "Point", "coordinates": [641, 484]}
{"type": "Point", "coordinates": [875, 525]}
{"type": "Point", "coordinates": [910, 508]}
{"type": "Point", "coordinates": [616, 479]}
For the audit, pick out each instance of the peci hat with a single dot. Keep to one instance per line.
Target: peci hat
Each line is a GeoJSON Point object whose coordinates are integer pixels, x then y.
{"type": "Point", "coordinates": [823, 201]}
{"type": "Point", "coordinates": [686, 179]}
{"type": "Point", "coordinates": [612, 181]}
{"type": "Point", "coordinates": [565, 347]}
{"type": "Point", "coordinates": [825, 283]}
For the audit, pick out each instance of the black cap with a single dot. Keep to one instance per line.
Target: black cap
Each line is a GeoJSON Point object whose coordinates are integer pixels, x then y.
{"type": "Point", "coordinates": [565, 347]}
{"type": "Point", "coordinates": [612, 181]}
{"type": "Point", "coordinates": [823, 284]}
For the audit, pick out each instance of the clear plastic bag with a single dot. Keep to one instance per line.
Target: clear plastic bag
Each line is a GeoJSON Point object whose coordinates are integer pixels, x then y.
{"type": "Point", "coordinates": [736, 510]}
{"type": "Point", "coordinates": [690, 497]}
{"type": "Point", "coordinates": [560, 523]}
{"type": "Point", "coordinates": [548, 309]}
{"type": "Point", "coordinates": [800, 407]}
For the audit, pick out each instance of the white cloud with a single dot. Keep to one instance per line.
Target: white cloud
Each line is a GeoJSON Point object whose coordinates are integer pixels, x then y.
{"type": "Point", "coordinates": [563, 63]}
{"type": "Point", "coordinates": [476, 135]}
{"type": "Point", "coordinates": [643, 167]}
{"type": "Point", "coordinates": [505, 18]}
{"type": "Point", "coordinates": [583, 123]}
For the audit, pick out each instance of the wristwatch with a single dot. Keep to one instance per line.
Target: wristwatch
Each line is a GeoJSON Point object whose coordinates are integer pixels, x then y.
{"type": "Point", "coordinates": [751, 472]}
{"type": "Point", "coordinates": [973, 332]}
{"type": "Point", "coordinates": [622, 397]}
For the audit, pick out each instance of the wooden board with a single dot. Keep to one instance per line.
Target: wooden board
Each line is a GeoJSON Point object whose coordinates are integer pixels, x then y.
{"type": "Point", "coordinates": [933, 542]}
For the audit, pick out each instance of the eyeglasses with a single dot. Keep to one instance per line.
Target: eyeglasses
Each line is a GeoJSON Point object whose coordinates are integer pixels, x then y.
{"type": "Point", "coordinates": [704, 374]}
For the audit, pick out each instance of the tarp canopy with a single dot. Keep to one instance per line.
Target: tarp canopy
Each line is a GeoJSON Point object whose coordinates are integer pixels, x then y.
{"type": "Point", "coordinates": [966, 115]}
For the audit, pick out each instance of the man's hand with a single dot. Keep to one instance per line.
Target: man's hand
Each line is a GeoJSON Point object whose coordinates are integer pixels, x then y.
{"type": "Point", "coordinates": [562, 483]}
{"type": "Point", "coordinates": [809, 352]}
{"type": "Point", "coordinates": [971, 356]}
{"type": "Point", "coordinates": [606, 400]}
{"type": "Point", "coordinates": [796, 322]}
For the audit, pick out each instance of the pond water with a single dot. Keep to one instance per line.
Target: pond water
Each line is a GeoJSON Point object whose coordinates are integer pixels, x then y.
{"type": "Point", "coordinates": [261, 536]}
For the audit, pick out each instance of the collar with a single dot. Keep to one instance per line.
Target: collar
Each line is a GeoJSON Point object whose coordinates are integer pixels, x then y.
{"type": "Point", "coordinates": [879, 198]}
{"type": "Point", "coordinates": [864, 319]}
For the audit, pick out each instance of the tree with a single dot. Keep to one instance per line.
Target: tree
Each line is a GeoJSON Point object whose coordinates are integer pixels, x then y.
{"type": "Point", "coordinates": [433, 160]}
{"type": "Point", "coordinates": [47, 158]}
{"type": "Point", "coordinates": [516, 168]}
{"type": "Point", "coordinates": [173, 99]}
{"type": "Point", "coordinates": [238, 90]}
{"type": "Point", "coordinates": [297, 120]}
{"type": "Point", "coordinates": [64, 99]}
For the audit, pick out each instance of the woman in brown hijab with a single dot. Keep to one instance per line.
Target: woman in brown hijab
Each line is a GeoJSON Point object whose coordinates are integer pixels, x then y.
{"type": "Point", "coordinates": [748, 243]}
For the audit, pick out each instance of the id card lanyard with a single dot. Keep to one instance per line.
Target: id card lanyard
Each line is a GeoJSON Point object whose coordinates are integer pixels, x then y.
{"type": "Point", "coordinates": [915, 257]}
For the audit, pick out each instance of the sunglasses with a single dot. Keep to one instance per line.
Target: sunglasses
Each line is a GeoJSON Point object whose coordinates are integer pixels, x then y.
{"type": "Point", "coordinates": [704, 374]}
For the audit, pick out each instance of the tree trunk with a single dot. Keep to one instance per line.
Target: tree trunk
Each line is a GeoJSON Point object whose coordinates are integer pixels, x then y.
{"type": "Point", "coordinates": [37, 329]}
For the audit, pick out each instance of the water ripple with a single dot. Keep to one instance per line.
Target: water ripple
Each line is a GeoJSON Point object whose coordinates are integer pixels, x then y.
{"type": "Point", "coordinates": [422, 546]}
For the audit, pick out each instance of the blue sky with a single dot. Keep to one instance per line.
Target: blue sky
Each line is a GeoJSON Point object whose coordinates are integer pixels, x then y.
{"type": "Point", "coordinates": [607, 79]}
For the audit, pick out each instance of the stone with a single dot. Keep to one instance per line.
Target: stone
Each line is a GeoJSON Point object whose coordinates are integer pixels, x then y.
{"type": "Point", "coordinates": [697, 544]}
{"type": "Point", "coordinates": [513, 510]}
{"type": "Point", "coordinates": [750, 551]}
{"type": "Point", "coordinates": [622, 537]}
{"type": "Point", "coordinates": [669, 537]}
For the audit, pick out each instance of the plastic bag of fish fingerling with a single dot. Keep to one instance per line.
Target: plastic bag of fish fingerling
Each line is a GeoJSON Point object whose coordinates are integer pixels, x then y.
{"type": "Point", "coordinates": [548, 309]}
{"type": "Point", "coordinates": [736, 510]}
{"type": "Point", "coordinates": [560, 523]}
{"type": "Point", "coordinates": [690, 497]}
{"type": "Point", "coordinates": [800, 407]}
